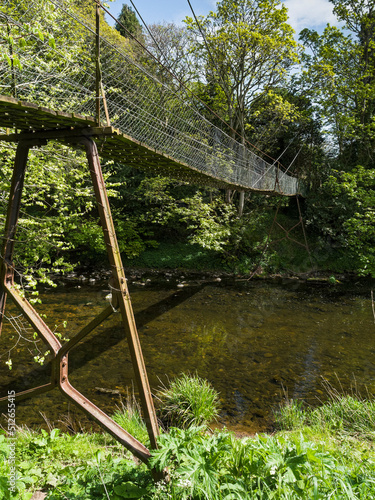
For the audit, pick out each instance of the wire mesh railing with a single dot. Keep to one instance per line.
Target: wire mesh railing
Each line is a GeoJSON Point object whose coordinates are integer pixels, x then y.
{"type": "Point", "coordinates": [48, 57]}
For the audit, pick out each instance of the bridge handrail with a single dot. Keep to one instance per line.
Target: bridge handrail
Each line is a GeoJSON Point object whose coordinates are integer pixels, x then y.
{"type": "Point", "coordinates": [53, 70]}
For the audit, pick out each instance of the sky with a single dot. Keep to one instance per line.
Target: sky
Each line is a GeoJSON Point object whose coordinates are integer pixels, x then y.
{"type": "Point", "coordinates": [313, 14]}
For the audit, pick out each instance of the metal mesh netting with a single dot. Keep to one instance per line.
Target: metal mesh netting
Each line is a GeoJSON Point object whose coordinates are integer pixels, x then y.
{"type": "Point", "coordinates": [48, 58]}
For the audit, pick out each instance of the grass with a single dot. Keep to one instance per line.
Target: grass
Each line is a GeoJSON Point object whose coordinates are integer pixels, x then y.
{"type": "Point", "coordinates": [343, 414]}
{"type": "Point", "coordinates": [321, 453]}
{"type": "Point", "coordinates": [178, 255]}
{"type": "Point", "coordinates": [202, 466]}
{"type": "Point", "coordinates": [283, 466]}
{"type": "Point", "coordinates": [189, 400]}
{"type": "Point", "coordinates": [129, 417]}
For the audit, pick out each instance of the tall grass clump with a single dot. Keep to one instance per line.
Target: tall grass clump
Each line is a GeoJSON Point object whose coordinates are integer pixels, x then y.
{"type": "Point", "coordinates": [129, 417]}
{"type": "Point", "coordinates": [345, 413]}
{"type": "Point", "coordinates": [348, 414]}
{"type": "Point", "coordinates": [189, 400]}
{"type": "Point", "coordinates": [290, 415]}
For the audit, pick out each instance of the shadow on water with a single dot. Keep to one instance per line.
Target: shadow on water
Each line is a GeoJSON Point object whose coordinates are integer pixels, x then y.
{"type": "Point", "coordinates": [252, 340]}
{"type": "Point", "coordinates": [90, 350]}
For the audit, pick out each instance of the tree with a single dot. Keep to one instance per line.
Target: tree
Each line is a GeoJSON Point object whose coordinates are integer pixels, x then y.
{"type": "Point", "coordinates": [128, 24]}
{"type": "Point", "coordinates": [290, 130]}
{"type": "Point", "coordinates": [343, 211]}
{"type": "Point", "coordinates": [247, 50]}
{"type": "Point", "coordinates": [339, 77]}
{"type": "Point", "coordinates": [170, 44]}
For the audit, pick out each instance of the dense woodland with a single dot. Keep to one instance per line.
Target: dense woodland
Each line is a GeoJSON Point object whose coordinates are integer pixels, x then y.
{"type": "Point", "coordinates": [306, 99]}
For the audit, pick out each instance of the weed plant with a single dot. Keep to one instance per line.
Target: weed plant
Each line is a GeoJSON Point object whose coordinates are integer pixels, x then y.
{"type": "Point", "coordinates": [129, 417]}
{"type": "Point", "coordinates": [349, 415]}
{"type": "Point", "coordinates": [81, 466]}
{"type": "Point", "coordinates": [222, 467]}
{"type": "Point", "coordinates": [189, 400]}
{"type": "Point", "coordinates": [328, 453]}
{"type": "Point", "coordinates": [218, 466]}
{"type": "Point", "coordinates": [342, 414]}
{"type": "Point", "coordinates": [290, 415]}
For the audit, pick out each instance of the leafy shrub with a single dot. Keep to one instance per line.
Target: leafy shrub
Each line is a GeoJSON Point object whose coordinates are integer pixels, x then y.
{"type": "Point", "coordinates": [188, 401]}
{"type": "Point", "coordinates": [83, 466]}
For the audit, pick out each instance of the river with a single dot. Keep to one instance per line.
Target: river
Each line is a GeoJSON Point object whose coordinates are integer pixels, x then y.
{"type": "Point", "coordinates": [256, 341]}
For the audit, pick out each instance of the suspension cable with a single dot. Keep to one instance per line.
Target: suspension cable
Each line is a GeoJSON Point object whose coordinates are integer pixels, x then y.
{"type": "Point", "coordinates": [182, 84]}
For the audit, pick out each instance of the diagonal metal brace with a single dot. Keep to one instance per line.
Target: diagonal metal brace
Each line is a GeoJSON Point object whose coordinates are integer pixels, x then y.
{"type": "Point", "coordinates": [60, 366]}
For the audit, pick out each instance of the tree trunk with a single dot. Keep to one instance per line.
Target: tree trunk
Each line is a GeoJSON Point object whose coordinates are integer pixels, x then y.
{"type": "Point", "coordinates": [241, 203]}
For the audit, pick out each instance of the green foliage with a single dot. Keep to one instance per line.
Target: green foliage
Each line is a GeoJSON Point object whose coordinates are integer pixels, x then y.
{"type": "Point", "coordinates": [222, 467]}
{"type": "Point", "coordinates": [343, 212]}
{"type": "Point", "coordinates": [128, 24]}
{"type": "Point", "coordinates": [80, 466]}
{"type": "Point", "coordinates": [178, 256]}
{"type": "Point", "coordinates": [189, 400]}
{"type": "Point", "coordinates": [339, 77]}
{"type": "Point", "coordinates": [342, 415]}
{"type": "Point", "coordinates": [129, 417]}
{"type": "Point", "coordinates": [308, 463]}
{"type": "Point", "coordinates": [290, 415]}
{"type": "Point", "coordinates": [248, 49]}
{"type": "Point", "coordinates": [245, 79]}
{"type": "Point", "coordinates": [207, 223]}
{"type": "Point", "coordinates": [346, 415]}
{"type": "Point", "coordinates": [58, 219]}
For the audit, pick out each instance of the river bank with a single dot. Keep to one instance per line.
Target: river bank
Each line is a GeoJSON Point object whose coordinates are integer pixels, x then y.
{"type": "Point", "coordinates": [333, 458]}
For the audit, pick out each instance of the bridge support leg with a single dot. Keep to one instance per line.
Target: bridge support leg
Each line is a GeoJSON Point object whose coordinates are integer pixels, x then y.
{"type": "Point", "coordinates": [120, 290]}
{"type": "Point", "coordinates": [59, 362]}
{"type": "Point", "coordinates": [15, 194]}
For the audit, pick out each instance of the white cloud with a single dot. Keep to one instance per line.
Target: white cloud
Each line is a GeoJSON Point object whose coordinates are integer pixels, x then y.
{"type": "Point", "coordinates": [313, 14]}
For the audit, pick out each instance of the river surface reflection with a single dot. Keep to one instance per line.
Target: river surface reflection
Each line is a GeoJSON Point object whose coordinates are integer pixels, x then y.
{"type": "Point", "coordinates": [254, 341]}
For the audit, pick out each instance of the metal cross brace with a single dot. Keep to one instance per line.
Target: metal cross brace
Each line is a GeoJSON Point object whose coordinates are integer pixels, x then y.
{"type": "Point", "coordinates": [121, 301]}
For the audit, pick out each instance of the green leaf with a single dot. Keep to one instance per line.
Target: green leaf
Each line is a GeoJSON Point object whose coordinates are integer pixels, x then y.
{"type": "Point", "coordinates": [98, 456]}
{"type": "Point", "coordinates": [51, 42]}
{"type": "Point", "coordinates": [52, 480]}
{"type": "Point", "coordinates": [17, 62]}
{"type": "Point", "coordinates": [129, 490]}
{"type": "Point", "coordinates": [54, 433]}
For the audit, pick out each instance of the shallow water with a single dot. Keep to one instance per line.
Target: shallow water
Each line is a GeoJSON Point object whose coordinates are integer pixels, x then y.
{"type": "Point", "coordinates": [255, 341]}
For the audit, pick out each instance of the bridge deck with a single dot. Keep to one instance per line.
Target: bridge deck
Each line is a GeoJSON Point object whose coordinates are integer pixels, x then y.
{"type": "Point", "coordinates": [40, 122]}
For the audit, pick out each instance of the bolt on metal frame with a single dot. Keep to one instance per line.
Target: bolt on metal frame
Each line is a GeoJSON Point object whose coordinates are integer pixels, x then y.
{"type": "Point", "coordinates": [120, 301]}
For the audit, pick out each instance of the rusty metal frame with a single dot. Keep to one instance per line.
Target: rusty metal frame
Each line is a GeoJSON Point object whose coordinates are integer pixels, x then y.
{"type": "Point", "coordinates": [120, 294]}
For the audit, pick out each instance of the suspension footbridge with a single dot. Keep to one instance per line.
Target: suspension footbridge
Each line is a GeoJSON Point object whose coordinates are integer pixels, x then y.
{"type": "Point", "coordinates": [61, 79]}
{"type": "Point", "coordinates": [59, 71]}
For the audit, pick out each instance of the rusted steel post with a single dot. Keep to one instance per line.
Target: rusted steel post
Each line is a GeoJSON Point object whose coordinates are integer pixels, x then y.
{"type": "Point", "coordinates": [18, 179]}
{"type": "Point", "coordinates": [59, 361]}
{"type": "Point", "coordinates": [132, 444]}
{"type": "Point", "coordinates": [121, 290]}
